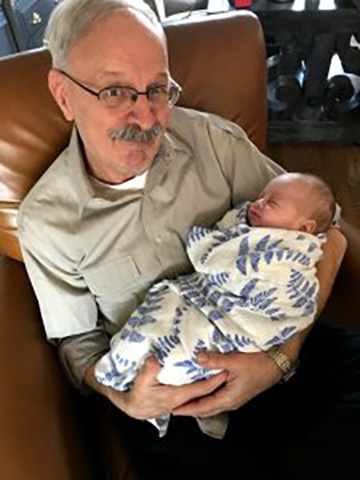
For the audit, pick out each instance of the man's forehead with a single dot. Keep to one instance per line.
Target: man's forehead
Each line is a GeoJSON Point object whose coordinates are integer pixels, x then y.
{"type": "Point", "coordinates": [123, 76]}
{"type": "Point", "coordinates": [115, 49]}
{"type": "Point", "coordinates": [125, 25]}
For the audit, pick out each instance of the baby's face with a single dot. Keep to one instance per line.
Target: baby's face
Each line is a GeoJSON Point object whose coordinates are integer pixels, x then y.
{"type": "Point", "coordinates": [280, 205]}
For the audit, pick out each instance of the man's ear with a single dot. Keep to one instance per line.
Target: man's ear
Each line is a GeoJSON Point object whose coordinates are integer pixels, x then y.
{"type": "Point", "coordinates": [308, 226]}
{"type": "Point", "coordinates": [59, 90]}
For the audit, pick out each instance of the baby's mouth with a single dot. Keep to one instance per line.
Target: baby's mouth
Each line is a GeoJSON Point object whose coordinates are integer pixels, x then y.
{"type": "Point", "coordinates": [254, 214]}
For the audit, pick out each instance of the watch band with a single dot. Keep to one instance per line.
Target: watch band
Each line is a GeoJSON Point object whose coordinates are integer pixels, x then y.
{"type": "Point", "coordinates": [286, 365]}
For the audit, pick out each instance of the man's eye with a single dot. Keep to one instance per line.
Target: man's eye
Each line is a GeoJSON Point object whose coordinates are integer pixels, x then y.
{"type": "Point", "coordinates": [113, 92]}
{"type": "Point", "coordinates": [157, 91]}
{"type": "Point", "coordinates": [114, 95]}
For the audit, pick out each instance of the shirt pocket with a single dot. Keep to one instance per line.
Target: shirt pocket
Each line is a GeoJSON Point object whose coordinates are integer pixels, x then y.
{"type": "Point", "coordinates": [118, 275]}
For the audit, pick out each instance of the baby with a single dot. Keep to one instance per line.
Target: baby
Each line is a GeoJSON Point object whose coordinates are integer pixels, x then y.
{"type": "Point", "coordinates": [254, 287]}
{"type": "Point", "coordinates": [294, 201]}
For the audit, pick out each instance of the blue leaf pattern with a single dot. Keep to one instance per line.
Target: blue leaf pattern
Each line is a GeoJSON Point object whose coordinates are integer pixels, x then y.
{"type": "Point", "coordinates": [254, 261]}
{"type": "Point", "coordinates": [261, 246]}
{"type": "Point", "coordinates": [241, 265]}
{"type": "Point", "coordinates": [244, 246]}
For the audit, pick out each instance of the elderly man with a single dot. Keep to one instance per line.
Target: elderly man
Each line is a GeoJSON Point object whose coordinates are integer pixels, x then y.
{"type": "Point", "coordinates": [111, 216]}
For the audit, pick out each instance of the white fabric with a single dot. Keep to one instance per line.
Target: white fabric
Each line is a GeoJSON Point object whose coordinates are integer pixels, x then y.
{"type": "Point", "coordinates": [252, 288]}
{"type": "Point", "coordinates": [135, 183]}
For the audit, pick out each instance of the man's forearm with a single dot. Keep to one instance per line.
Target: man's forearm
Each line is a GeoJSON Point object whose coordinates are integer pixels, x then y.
{"type": "Point", "coordinates": [79, 352]}
{"type": "Point", "coordinates": [327, 269]}
{"type": "Point", "coordinates": [90, 380]}
{"type": "Point", "coordinates": [293, 346]}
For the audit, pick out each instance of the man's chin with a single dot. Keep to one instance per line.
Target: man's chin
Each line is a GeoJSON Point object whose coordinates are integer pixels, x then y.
{"type": "Point", "coordinates": [144, 148]}
{"type": "Point", "coordinates": [135, 156]}
{"type": "Point", "coordinates": [139, 159]}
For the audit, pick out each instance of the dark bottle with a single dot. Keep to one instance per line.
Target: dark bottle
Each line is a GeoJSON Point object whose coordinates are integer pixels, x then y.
{"type": "Point", "coordinates": [341, 95]}
{"type": "Point", "coordinates": [286, 78]}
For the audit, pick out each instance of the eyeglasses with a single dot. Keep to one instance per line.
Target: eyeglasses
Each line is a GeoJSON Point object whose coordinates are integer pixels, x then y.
{"type": "Point", "coordinates": [160, 96]}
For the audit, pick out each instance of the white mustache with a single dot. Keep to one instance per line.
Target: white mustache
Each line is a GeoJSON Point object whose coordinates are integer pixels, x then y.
{"type": "Point", "coordinates": [134, 133]}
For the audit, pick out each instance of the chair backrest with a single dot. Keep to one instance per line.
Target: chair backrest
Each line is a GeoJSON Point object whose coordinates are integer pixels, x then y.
{"type": "Point", "coordinates": [219, 60]}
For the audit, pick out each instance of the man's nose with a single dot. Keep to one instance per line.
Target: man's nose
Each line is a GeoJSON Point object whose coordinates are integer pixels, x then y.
{"type": "Point", "coordinates": [142, 113]}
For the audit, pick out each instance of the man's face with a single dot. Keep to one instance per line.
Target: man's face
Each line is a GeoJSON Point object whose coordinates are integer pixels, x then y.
{"type": "Point", "coordinates": [280, 205]}
{"type": "Point", "coordinates": [122, 50]}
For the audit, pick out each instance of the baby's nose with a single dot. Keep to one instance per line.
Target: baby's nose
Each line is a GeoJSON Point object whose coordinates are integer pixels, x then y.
{"type": "Point", "coordinates": [259, 203]}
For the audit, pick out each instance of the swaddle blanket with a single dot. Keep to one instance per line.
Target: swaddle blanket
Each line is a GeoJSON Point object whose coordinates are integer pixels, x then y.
{"type": "Point", "coordinates": [252, 288]}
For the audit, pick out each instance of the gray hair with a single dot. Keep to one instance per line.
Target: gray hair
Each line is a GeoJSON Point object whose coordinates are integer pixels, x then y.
{"type": "Point", "coordinates": [72, 19]}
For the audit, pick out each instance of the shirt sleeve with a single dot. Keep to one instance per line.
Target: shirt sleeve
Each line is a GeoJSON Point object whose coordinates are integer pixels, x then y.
{"type": "Point", "coordinates": [245, 167]}
{"type": "Point", "coordinates": [66, 304]}
{"type": "Point", "coordinates": [78, 352]}
{"type": "Point", "coordinates": [64, 300]}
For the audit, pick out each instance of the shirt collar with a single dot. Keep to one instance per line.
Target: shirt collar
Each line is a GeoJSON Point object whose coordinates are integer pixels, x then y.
{"type": "Point", "coordinates": [76, 164]}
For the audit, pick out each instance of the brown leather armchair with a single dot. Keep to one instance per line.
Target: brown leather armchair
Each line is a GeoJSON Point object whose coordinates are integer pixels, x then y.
{"type": "Point", "coordinates": [46, 429]}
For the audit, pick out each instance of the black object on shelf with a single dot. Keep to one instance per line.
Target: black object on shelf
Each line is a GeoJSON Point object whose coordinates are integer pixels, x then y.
{"type": "Point", "coordinates": [286, 75]}
{"type": "Point", "coordinates": [305, 102]}
{"type": "Point", "coordinates": [341, 96]}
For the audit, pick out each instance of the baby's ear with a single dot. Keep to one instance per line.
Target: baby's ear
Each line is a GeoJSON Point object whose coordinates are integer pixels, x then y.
{"type": "Point", "coordinates": [308, 226]}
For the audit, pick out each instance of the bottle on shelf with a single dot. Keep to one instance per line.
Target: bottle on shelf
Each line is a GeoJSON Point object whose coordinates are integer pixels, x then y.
{"type": "Point", "coordinates": [286, 74]}
{"type": "Point", "coordinates": [341, 92]}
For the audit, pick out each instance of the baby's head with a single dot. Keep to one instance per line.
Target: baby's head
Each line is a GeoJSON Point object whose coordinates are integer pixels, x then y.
{"type": "Point", "coordinates": [294, 201]}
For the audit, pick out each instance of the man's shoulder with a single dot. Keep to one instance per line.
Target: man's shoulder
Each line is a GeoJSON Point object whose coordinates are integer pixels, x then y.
{"type": "Point", "coordinates": [46, 194]}
{"type": "Point", "coordinates": [189, 121]}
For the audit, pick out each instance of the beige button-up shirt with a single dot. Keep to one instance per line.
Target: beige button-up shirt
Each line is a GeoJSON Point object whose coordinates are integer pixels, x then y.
{"type": "Point", "coordinates": [92, 253]}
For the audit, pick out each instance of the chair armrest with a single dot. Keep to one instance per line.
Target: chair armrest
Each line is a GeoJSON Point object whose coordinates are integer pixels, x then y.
{"type": "Point", "coordinates": [39, 435]}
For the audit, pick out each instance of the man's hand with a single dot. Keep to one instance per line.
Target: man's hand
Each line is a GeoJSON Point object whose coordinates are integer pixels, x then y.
{"type": "Point", "coordinates": [148, 398]}
{"type": "Point", "coordinates": [248, 374]}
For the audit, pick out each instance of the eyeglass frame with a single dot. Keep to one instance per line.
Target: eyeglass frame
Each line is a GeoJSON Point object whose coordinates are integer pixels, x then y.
{"type": "Point", "coordinates": [133, 90]}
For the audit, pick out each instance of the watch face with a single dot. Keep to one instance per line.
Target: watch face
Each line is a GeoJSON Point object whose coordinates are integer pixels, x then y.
{"type": "Point", "coordinates": [287, 367]}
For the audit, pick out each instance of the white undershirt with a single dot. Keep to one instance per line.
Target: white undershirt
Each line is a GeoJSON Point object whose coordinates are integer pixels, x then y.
{"type": "Point", "coordinates": [136, 183]}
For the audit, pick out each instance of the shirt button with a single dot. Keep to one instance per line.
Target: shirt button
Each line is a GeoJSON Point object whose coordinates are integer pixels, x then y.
{"type": "Point", "coordinates": [158, 238]}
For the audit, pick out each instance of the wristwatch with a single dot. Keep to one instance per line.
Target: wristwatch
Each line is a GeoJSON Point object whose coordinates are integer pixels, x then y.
{"type": "Point", "coordinates": [286, 365]}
